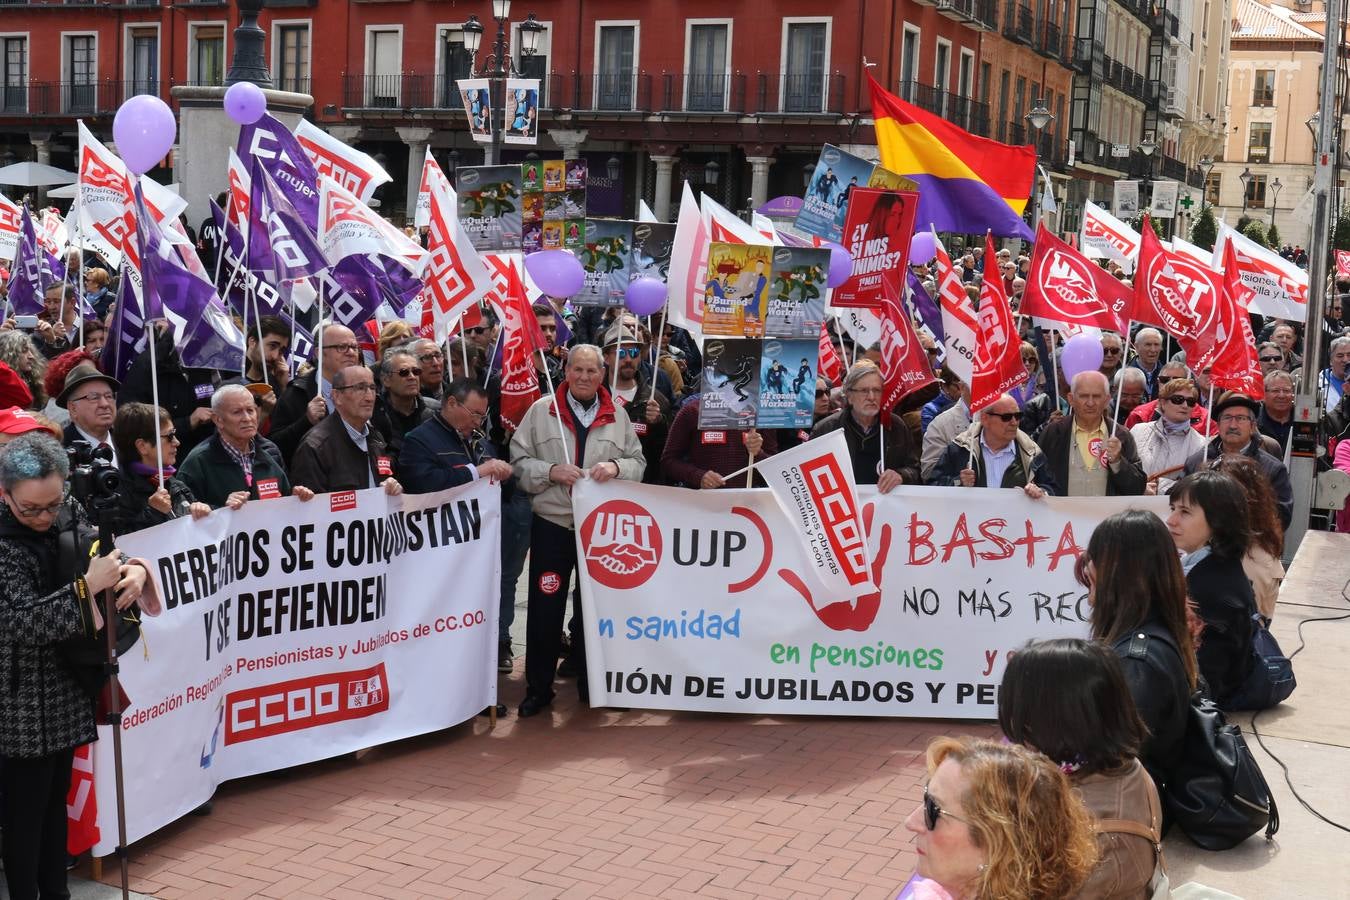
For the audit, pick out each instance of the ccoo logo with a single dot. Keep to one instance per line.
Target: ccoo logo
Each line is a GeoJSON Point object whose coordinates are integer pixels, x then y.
{"type": "Point", "coordinates": [622, 544]}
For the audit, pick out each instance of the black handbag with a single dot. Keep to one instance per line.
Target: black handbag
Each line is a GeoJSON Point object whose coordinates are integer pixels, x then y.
{"type": "Point", "coordinates": [1217, 794]}
{"type": "Point", "coordinates": [1271, 679]}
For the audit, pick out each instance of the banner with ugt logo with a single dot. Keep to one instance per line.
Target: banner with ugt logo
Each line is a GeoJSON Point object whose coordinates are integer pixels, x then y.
{"type": "Point", "coordinates": [710, 600]}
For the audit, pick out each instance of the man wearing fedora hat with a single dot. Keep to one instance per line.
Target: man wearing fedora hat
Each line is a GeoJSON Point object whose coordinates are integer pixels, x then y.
{"type": "Point", "coordinates": [1238, 436]}
{"type": "Point", "coordinates": [91, 399]}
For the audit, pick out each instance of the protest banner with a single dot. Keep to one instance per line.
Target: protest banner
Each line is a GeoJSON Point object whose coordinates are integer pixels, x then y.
{"type": "Point", "coordinates": [730, 397]}
{"type": "Point", "coordinates": [837, 174]}
{"type": "Point", "coordinates": [796, 299]}
{"type": "Point", "coordinates": [787, 384]}
{"type": "Point", "coordinates": [717, 625]}
{"type": "Point", "coordinates": [490, 206]}
{"type": "Point", "coordinates": [877, 235]}
{"type": "Point", "coordinates": [1279, 288]}
{"type": "Point", "coordinates": [606, 260]}
{"type": "Point", "coordinates": [9, 229]}
{"type": "Point", "coordinates": [1105, 237]}
{"type": "Point", "coordinates": [293, 632]}
{"type": "Point", "coordinates": [652, 246]}
{"type": "Point", "coordinates": [356, 171]}
{"type": "Point", "coordinates": [737, 281]}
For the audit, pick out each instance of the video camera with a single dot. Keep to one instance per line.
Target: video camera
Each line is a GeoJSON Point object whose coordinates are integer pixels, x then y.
{"type": "Point", "coordinates": [94, 480]}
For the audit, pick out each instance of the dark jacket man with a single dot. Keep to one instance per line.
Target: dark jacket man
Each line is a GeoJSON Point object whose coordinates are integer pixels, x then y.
{"type": "Point", "coordinates": [329, 460]}
{"type": "Point", "coordinates": [212, 474]}
{"type": "Point", "coordinates": [1123, 480]}
{"type": "Point", "coordinates": [964, 452]}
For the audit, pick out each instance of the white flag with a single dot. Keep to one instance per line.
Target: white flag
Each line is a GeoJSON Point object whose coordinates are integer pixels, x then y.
{"type": "Point", "coordinates": [356, 171]}
{"type": "Point", "coordinates": [960, 325]}
{"type": "Point", "coordinates": [348, 227]}
{"type": "Point", "coordinates": [456, 277]}
{"type": "Point", "coordinates": [1106, 237]}
{"type": "Point", "coordinates": [1281, 288]}
{"type": "Point", "coordinates": [688, 263]}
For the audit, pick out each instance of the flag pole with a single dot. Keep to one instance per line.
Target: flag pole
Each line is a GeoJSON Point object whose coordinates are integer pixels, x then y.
{"type": "Point", "coordinates": [1054, 367]}
{"type": "Point", "coordinates": [290, 348]}
{"type": "Point", "coordinates": [1124, 355]}
{"type": "Point", "coordinates": [464, 345]}
{"type": "Point", "coordinates": [154, 386]}
{"type": "Point", "coordinates": [553, 399]}
{"type": "Point", "coordinates": [487, 375]}
{"type": "Point", "coordinates": [262, 351]}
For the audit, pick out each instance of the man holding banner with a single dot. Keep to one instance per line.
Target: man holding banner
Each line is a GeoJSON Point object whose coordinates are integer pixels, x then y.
{"type": "Point", "coordinates": [1088, 456]}
{"type": "Point", "coordinates": [342, 452]}
{"type": "Point", "coordinates": [995, 452]}
{"type": "Point", "coordinates": [575, 434]}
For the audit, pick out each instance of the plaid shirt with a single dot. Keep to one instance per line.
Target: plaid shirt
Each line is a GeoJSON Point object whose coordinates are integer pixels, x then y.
{"type": "Point", "coordinates": [245, 459]}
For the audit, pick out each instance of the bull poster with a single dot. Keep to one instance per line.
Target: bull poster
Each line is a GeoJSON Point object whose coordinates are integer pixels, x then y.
{"type": "Point", "coordinates": [735, 289]}
{"type": "Point", "coordinates": [491, 207]}
{"type": "Point", "coordinates": [877, 233]}
{"type": "Point", "coordinates": [605, 258]}
{"type": "Point", "coordinates": [522, 111]}
{"type": "Point", "coordinates": [787, 383]}
{"type": "Point", "coordinates": [731, 384]}
{"type": "Point", "coordinates": [477, 100]}
{"type": "Point", "coordinates": [796, 300]}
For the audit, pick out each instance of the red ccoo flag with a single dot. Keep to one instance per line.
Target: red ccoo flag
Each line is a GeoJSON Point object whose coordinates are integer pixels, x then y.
{"type": "Point", "coordinates": [1065, 286]}
{"type": "Point", "coordinates": [904, 362]}
{"type": "Point", "coordinates": [521, 337]}
{"type": "Point", "coordinates": [1176, 293]}
{"type": "Point", "coordinates": [998, 347]}
{"type": "Point", "coordinates": [831, 366]}
{"type": "Point", "coordinates": [1234, 355]}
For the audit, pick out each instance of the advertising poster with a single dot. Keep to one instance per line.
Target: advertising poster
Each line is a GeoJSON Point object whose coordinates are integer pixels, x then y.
{"type": "Point", "coordinates": [825, 205]}
{"type": "Point", "coordinates": [478, 107]}
{"type": "Point", "coordinates": [522, 111]}
{"type": "Point", "coordinates": [735, 289]}
{"type": "Point", "coordinates": [574, 174]}
{"type": "Point", "coordinates": [730, 397]}
{"type": "Point", "coordinates": [555, 175]}
{"type": "Point", "coordinates": [574, 234]}
{"type": "Point", "coordinates": [652, 245]}
{"type": "Point", "coordinates": [490, 206]}
{"type": "Point", "coordinates": [787, 384]}
{"type": "Point", "coordinates": [605, 257]}
{"type": "Point", "coordinates": [880, 224]}
{"type": "Point", "coordinates": [1125, 199]}
{"type": "Point", "coordinates": [532, 176]}
{"type": "Point", "coordinates": [796, 303]}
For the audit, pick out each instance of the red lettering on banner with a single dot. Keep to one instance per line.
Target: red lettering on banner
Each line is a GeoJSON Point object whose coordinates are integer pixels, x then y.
{"type": "Point", "coordinates": [839, 516]}
{"type": "Point", "coordinates": [287, 706]}
{"type": "Point", "coordinates": [988, 533]}
{"type": "Point", "coordinates": [341, 500]}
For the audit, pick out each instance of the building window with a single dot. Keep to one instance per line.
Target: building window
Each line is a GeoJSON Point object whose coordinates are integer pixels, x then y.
{"type": "Point", "coordinates": [986, 77]}
{"type": "Point", "coordinates": [1258, 142]}
{"type": "Point", "coordinates": [1256, 192]}
{"type": "Point", "coordinates": [384, 71]}
{"type": "Point", "coordinates": [804, 78]}
{"type": "Point", "coordinates": [1263, 88]}
{"type": "Point", "coordinates": [909, 64]}
{"type": "Point", "coordinates": [14, 76]}
{"type": "Point", "coordinates": [614, 80]}
{"type": "Point", "coordinates": [455, 64]}
{"type": "Point", "coordinates": [707, 91]}
{"type": "Point", "coordinates": [942, 70]}
{"type": "Point", "coordinates": [208, 64]}
{"type": "Point", "coordinates": [293, 53]}
{"type": "Point", "coordinates": [1004, 114]}
{"type": "Point", "coordinates": [81, 73]}
{"type": "Point", "coordinates": [1212, 184]}
{"type": "Point", "coordinates": [144, 52]}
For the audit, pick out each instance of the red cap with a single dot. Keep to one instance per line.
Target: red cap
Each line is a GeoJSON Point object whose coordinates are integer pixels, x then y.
{"type": "Point", "coordinates": [18, 421]}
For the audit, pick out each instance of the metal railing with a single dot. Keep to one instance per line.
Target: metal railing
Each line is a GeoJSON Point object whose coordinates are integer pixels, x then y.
{"type": "Point", "coordinates": [1019, 23]}
{"type": "Point", "coordinates": [794, 93]}
{"type": "Point", "coordinates": [1050, 42]}
{"type": "Point", "coordinates": [67, 98]}
{"type": "Point", "coordinates": [969, 114]}
{"type": "Point", "coordinates": [1174, 169]}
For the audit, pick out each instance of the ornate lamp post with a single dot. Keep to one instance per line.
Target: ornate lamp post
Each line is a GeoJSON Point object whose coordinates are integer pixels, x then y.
{"type": "Point", "coordinates": [247, 63]}
{"type": "Point", "coordinates": [1275, 198]}
{"type": "Point", "coordinates": [1246, 179]}
{"type": "Point", "coordinates": [1205, 164]}
{"type": "Point", "coordinates": [498, 65]}
{"type": "Point", "coordinates": [1039, 117]}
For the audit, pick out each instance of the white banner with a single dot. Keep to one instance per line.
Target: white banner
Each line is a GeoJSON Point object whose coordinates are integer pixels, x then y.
{"type": "Point", "coordinates": [522, 111]}
{"type": "Point", "coordinates": [1106, 237]}
{"type": "Point", "coordinates": [1280, 287]}
{"type": "Point", "coordinates": [293, 632]}
{"type": "Point", "coordinates": [356, 171]}
{"type": "Point", "coordinates": [9, 229]}
{"type": "Point", "coordinates": [690, 604]}
{"type": "Point", "coordinates": [348, 227]}
{"type": "Point", "coordinates": [478, 107]}
{"type": "Point", "coordinates": [1163, 204]}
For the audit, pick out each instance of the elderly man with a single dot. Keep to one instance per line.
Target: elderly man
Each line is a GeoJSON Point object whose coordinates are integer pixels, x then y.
{"type": "Point", "coordinates": [449, 450]}
{"type": "Point", "coordinates": [1087, 456]}
{"type": "Point", "coordinates": [1331, 383]}
{"type": "Point", "coordinates": [342, 452]}
{"type": "Point", "coordinates": [1277, 412]}
{"type": "Point", "coordinates": [401, 407]}
{"type": "Point", "coordinates": [600, 444]}
{"type": "Point", "coordinates": [432, 360]}
{"type": "Point", "coordinates": [994, 452]}
{"type": "Point", "coordinates": [1148, 348]}
{"type": "Point", "coordinates": [1132, 386]}
{"type": "Point", "coordinates": [309, 398]}
{"type": "Point", "coordinates": [1236, 415]}
{"type": "Point", "coordinates": [91, 399]}
{"type": "Point", "coordinates": [236, 464]}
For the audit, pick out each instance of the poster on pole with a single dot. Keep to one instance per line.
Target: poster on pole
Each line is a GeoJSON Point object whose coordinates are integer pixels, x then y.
{"type": "Point", "coordinates": [877, 233]}
{"type": "Point", "coordinates": [730, 396]}
{"type": "Point", "coordinates": [1164, 202]}
{"type": "Point", "coordinates": [736, 286]}
{"type": "Point", "coordinates": [294, 632]}
{"type": "Point", "coordinates": [795, 306]}
{"type": "Point", "coordinates": [1125, 199]}
{"type": "Point", "coordinates": [787, 384]}
{"type": "Point", "coordinates": [490, 206]}
{"type": "Point", "coordinates": [718, 614]}
{"type": "Point", "coordinates": [477, 100]}
{"type": "Point", "coordinates": [522, 111]}
{"type": "Point", "coordinates": [605, 259]}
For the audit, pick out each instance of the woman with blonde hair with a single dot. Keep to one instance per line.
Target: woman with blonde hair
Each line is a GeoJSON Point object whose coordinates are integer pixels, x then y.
{"type": "Point", "coordinates": [1001, 822]}
{"type": "Point", "coordinates": [391, 335]}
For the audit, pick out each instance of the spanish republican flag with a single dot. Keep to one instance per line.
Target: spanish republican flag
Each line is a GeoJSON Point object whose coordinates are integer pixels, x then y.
{"type": "Point", "coordinates": [967, 183]}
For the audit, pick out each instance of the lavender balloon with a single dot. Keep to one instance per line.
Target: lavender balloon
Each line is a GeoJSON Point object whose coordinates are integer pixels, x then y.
{"type": "Point", "coordinates": [245, 102]}
{"type": "Point", "coordinates": [922, 248]}
{"type": "Point", "coordinates": [556, 272]}
{"type": "Point", "coordinates": [645, 296]}
{"type": "Point", "coordinates": [841, 265]}
{"type": "Point", "coordinates": [143, 130]}
{"type": "Point", "coordinates": [1082, 353]}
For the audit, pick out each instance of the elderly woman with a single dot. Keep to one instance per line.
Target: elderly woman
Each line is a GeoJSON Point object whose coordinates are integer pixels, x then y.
{"type": "Point", "coordinates": [45, 713]}
{"type": "Point", "coordinates": [19, 353]}
{"type": "Point", "coordinates": [1168, 441]}
{"type": "Point", "coordinates": [145, 436]}
{"type": "Point", "coordinates": [1000, 822]}
{"type": "Point", "coordinates": [863, 430]}
{"type": "Point", "coordinates": [96, 292]}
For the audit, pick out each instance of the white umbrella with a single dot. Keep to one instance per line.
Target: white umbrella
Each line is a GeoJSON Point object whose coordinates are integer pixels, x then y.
{"type": "Point", "coordinates": [63, 193]}
{"type": "Point", "coordinates": [32, 174]}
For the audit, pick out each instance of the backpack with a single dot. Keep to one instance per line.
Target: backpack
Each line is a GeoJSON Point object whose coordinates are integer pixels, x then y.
{"type": "Point", "coordinates": [1271, 679]}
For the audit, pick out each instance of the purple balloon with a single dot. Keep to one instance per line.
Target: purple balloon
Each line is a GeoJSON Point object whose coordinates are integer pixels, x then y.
{"type": "Point", "coordinates": [922, 248]}
{"type": "Point", "coordinates": [143, 130]}
{"type": "Point", "coordinates": [245, 102]}
{"type": "Point", "coordinates": [557, 272]}
{"type": "Point", "coordinates": [841, 265]}
{"type": "Point", "coordinates": [1082, 353]}
{"type": "Point", "coordinates": [645, 296]}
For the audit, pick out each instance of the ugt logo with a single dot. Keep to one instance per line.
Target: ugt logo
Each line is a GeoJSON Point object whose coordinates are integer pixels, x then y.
{"type": "Point", "coordinates": [622, 543]}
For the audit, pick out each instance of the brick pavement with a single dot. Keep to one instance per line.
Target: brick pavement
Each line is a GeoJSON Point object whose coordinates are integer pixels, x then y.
{"type": "Point", "coordinates": [579, 803]}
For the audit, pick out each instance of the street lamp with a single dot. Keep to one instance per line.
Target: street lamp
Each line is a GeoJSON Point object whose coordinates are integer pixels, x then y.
{"type": "Point", "coordinates": [1205, 165]}
{"type": "Point", "coordinates": [1275, 188]}
{"type": "Point", "coordinates": [1246, 179]}
{"type": "Point", "coordinates": [712, 172]}
{"type": "Point", "coordinates": [614, 168]}
{"type": "Point", "coordinates": [1037, 118]}
{"type": "Point", "coordinates": [1314, 124]}
{"type": "Point", "coordinates": [498, 65]}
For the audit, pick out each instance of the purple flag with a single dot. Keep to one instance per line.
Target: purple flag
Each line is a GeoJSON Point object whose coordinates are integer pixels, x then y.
{"type": "Point", "coordinates": [365, 282]}
{"type": "Point", "coordinates": [273, 146]}
{"type": "Point", "coordinates": [26, 281]}
{"type": "Point", "coordinates": [280, 244]}
{"type": "Point", "coordinates": [267, 299]}
{"type": "Point", "coordinates": [926, 308]}
{"type": "Point", "coordinates": [126, 333]}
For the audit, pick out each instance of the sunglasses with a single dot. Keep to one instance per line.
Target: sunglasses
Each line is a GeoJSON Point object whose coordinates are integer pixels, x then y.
{"type": "Point", "coordinates": [932, 812]}
{"type": "Point", "coordinates": [627, 352]}
{"type": "Point", "coordinates": [1006, 417]}
{"type": "Point", "coordinates": [477, 330]}
{"type": "Point", "coordinates": [1111, 351]}
{"type": "Point", "coordinates": [171, 437]}
{"type": "Point", "coordinates": [1272, 359]}
{"type": "Point", "coordinates": [1183, 401]}
{"type": "Point", "coordinates": [409, 370]}
{"type": "Point", "coordinates": [820, 394]}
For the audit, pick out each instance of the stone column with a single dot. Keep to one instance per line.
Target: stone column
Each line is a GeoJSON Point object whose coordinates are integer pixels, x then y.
{"type": "Point", "coordinates": [417, 140]}
{"type": "Point", "coordinates": [42, 145]}
{"type": "Point", "coordinates": [570, 141]}
{"type": "Point", "coordinates": [665, 165]}
{"type": "Point", "coordinates": [348, 134]}
{"type": "Point", "coordinates": [759, 180]}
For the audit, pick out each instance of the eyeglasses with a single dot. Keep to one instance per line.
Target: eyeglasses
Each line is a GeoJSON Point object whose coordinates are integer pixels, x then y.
{"type": "Point", "coordinates": [932, 812]}
{"type": "Point", "coordinates": [1183, 401]}
{"type": "Point", "coordinates": [1111, 351]}
{"type": "Point", "coordinates": [368, 386]}
{"type": "Point", "coordinates": [1236, 418]}
{"type": "Point", "coordinates": [24, 511]}
{"type": "Point", "coordinates": [343, 348]}
{"type": "Point", "coordinates": [409, 370]}
{"type": "Point", "coordinates": [476, 416]}
{"type": "Point", "coordinates": [1006, 417]}
{"type": "Point", "coordinates": [1272, 359]}
{"type": "Point", "coordinates": [171, 437]}
{"type": "Point", "coordinates": [866, 392]}
{"type": "Point", "coordinates": [96, 398]}
{"type": "Point", "coordinates": [430, 355]}
{"type": "Point", "coordinates": [627, 352]}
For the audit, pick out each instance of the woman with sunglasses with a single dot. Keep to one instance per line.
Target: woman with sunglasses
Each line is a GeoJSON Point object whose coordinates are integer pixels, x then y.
{"type": "Point", "coordinates": [1000, 822]}
{"type": "Point", "coordinates": [1209, 524]}
{"type": "Point", "coordinates": [149, 495]}
{"type": "Point", "coordinates": [1138, 596]}
{"type": "Point", "coordinates": [1068, 699]}
{"type": "Point", "coordinates": [1165, 443]}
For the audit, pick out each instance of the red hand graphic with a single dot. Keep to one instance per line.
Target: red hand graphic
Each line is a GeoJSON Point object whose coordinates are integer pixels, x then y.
{"type": "Point", "coordinates": [842, 615]}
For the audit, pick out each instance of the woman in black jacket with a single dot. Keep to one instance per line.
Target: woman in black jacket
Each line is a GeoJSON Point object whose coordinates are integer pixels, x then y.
{"type": "Point", "coordinates": [149, 495]}
{"type": "Point", "coordinates": [1209, 524]}
{"type": "Point", "coordinates": [1138, 596]}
